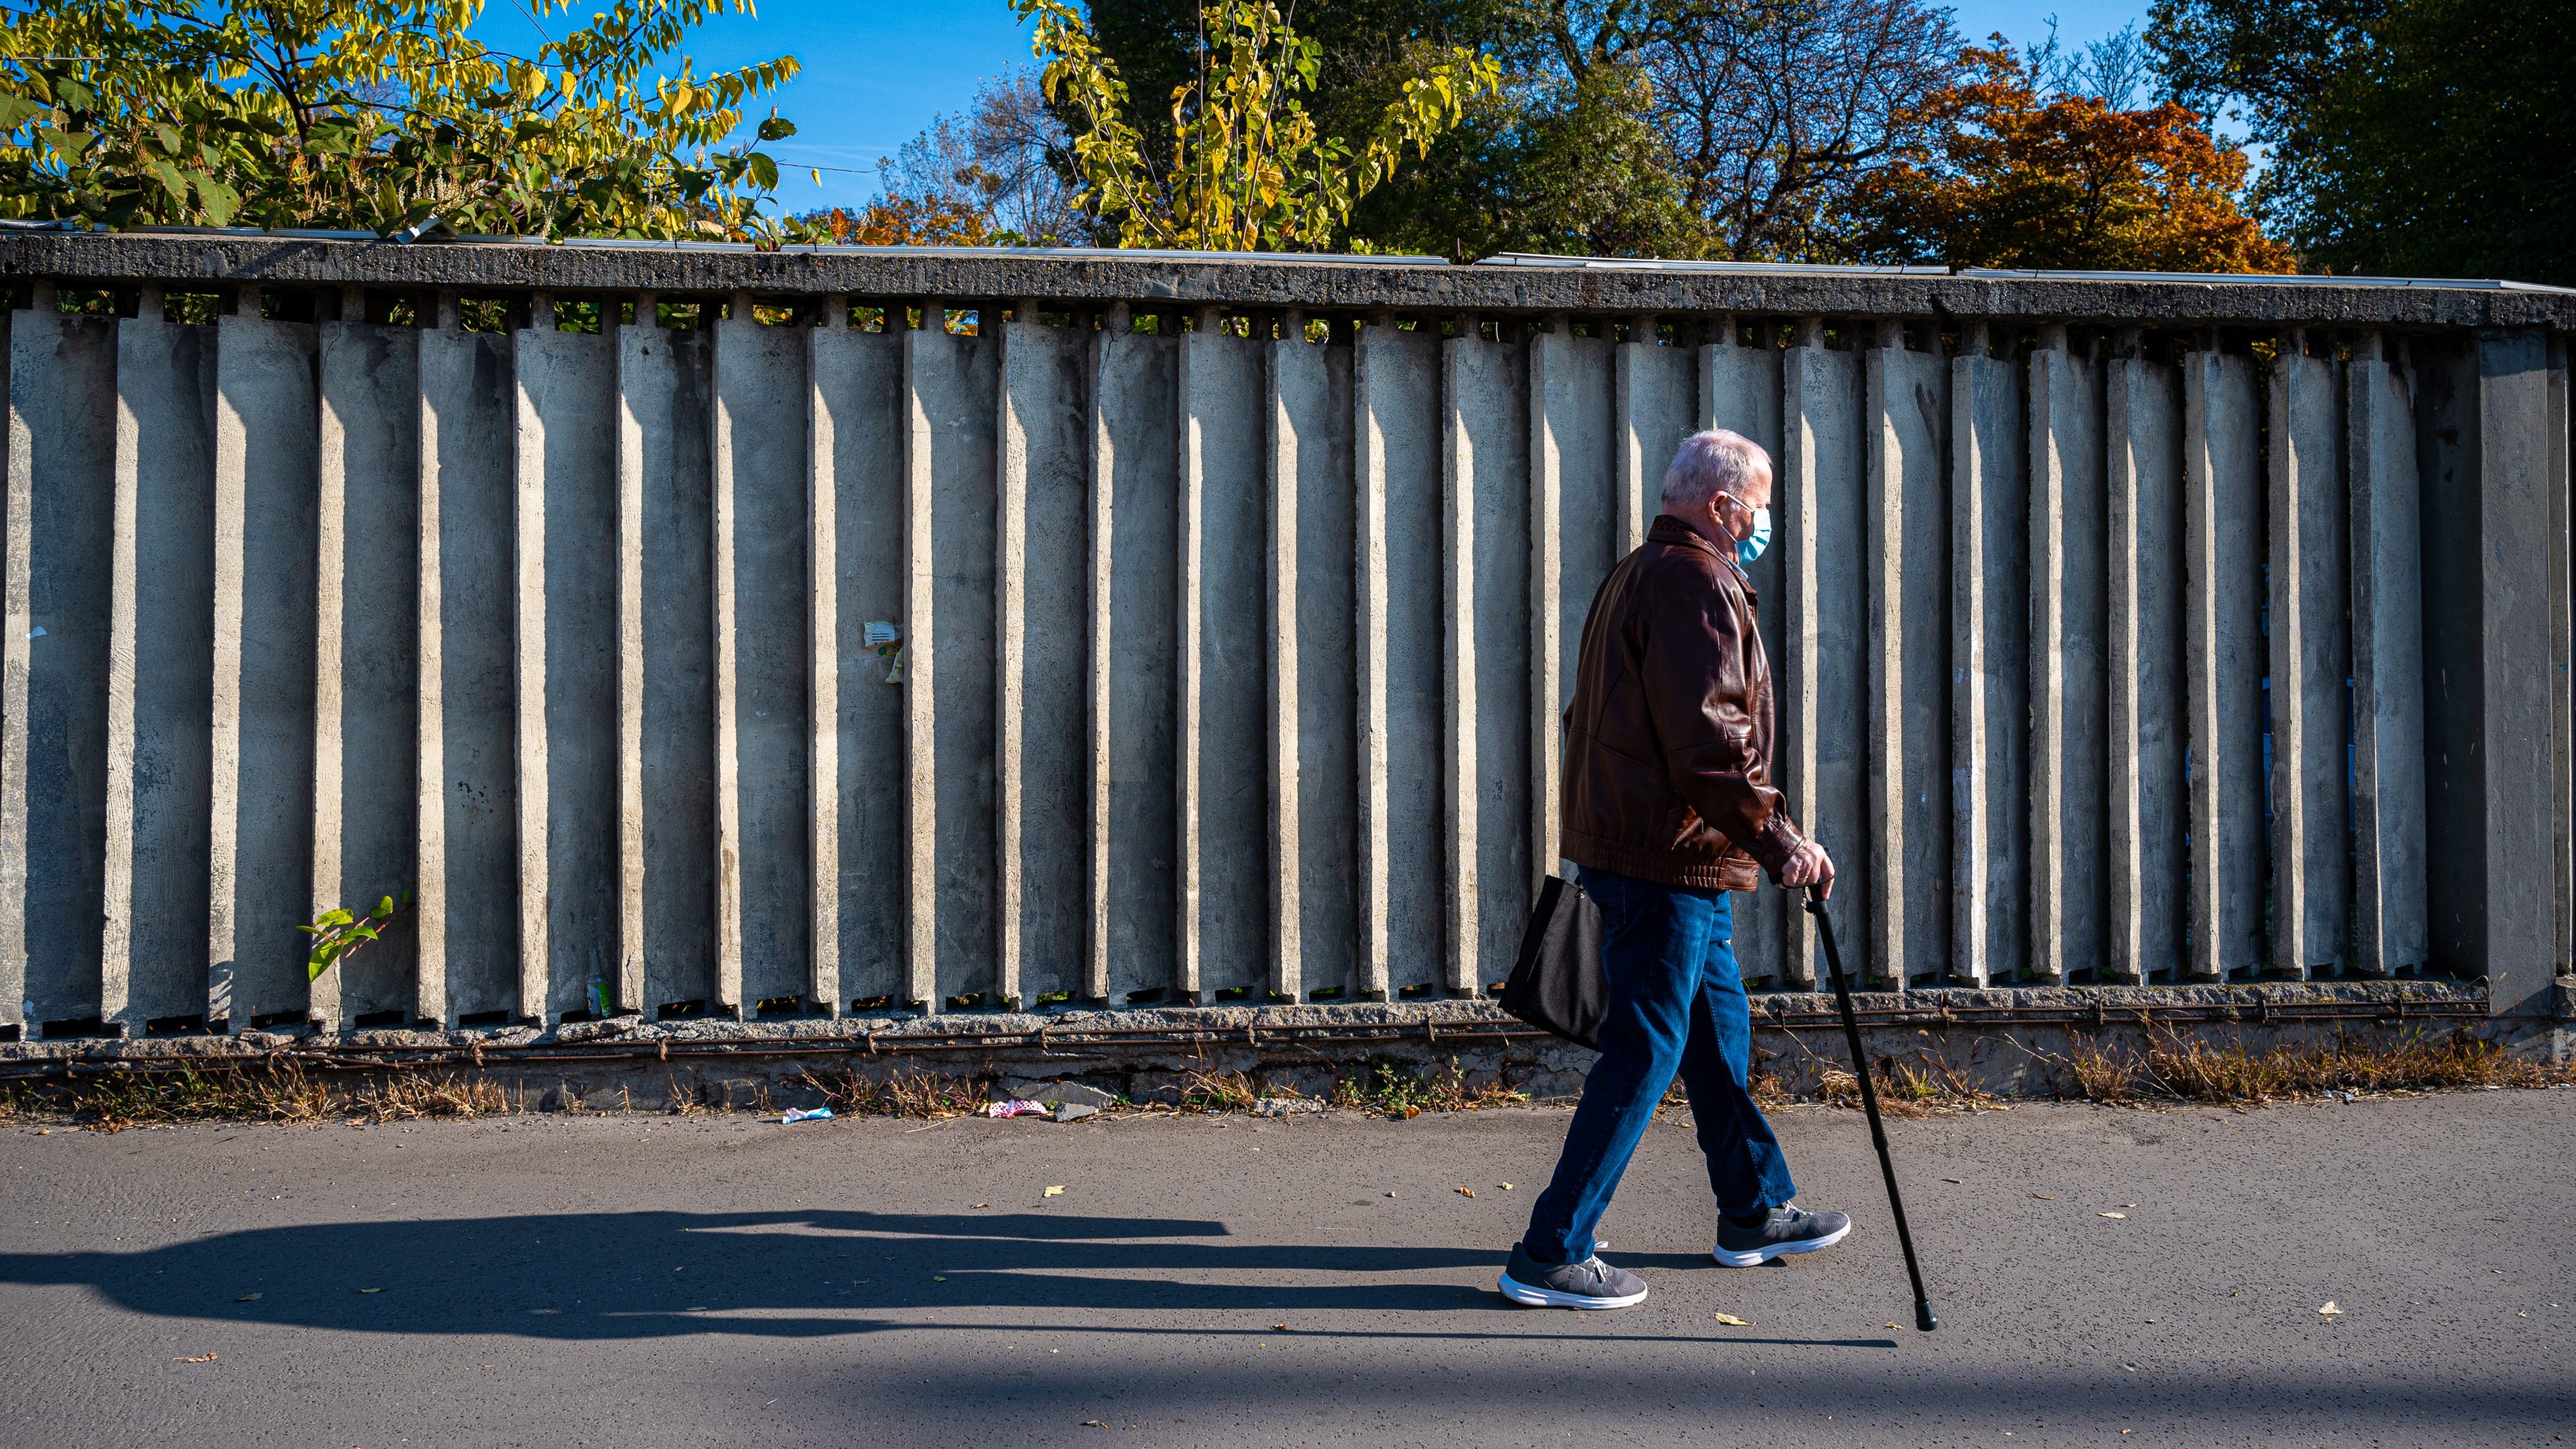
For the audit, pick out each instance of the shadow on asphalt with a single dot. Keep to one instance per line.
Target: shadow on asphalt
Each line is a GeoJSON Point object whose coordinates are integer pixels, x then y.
{"type": "Point", "coordinates": [782, 1274]}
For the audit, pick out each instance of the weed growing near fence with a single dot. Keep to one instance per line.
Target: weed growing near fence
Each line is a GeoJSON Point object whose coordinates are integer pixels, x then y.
{"type": "Point", "coordinates": [1396, 1089]}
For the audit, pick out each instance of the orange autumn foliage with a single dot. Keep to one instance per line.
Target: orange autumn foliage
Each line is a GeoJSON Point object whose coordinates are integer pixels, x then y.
{"type": "Point", "coordinates": [2009, 178]}
{"type": "Point", "coordinates": [906, 221]}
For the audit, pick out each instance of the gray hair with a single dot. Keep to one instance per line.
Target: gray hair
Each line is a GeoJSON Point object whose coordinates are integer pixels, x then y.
{"type": "Point", "coordinates": [1711, 463]}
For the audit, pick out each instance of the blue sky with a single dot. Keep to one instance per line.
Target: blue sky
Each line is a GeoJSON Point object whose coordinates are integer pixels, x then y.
{"type": "Point", "coordinates": [876, 73]}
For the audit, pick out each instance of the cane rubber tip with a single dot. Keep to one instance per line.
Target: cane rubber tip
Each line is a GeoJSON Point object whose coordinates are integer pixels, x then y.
{"type": "Point", "coordinates": [1923, 1319]}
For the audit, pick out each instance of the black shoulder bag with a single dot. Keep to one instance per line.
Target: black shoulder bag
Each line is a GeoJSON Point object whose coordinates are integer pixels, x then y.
{"type": "Point", "coordinates": [1557, 983]}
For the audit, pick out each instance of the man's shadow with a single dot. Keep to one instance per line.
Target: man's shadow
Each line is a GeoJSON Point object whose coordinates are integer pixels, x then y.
{"type": "Point", "coordinates": [800, 1273]}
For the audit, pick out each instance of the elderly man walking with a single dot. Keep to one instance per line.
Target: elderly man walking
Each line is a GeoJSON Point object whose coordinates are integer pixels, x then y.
{"type": "Point", "coordinates": [1668, 807]}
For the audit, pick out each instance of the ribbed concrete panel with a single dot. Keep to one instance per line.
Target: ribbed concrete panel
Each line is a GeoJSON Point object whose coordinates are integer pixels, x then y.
{"type": "Point", "coordinates": [2069, 581]}
{"type": "Point", "coordinates": [1657, 406]}
{"type": "Point", "coordinates": [367, 659]}
{"type": "Point", "coordinates": [1989, 668]}
{"type": "Point", "coordinates": [469, 869]}
{"type": "Point", "coordinates": [568, 409]}
{"type": "Point", "coordinates": [1043, 916]}
{"type": "Point", "coordinates": [1396, 392]}
{"type": "Point", "coordinates": [1487, 520]}
{"type": "Point", "coordinates": [2223, 659]}
{"type": "Point", "coordinates": [2387, 670]}
{"type": "Point", "coordinates": [951, 383]}
{"type": "Point", "coordinates": [762, 869]}
{"type": "Point", "coordinates": [1314, 787]}
{"type": "Point", "coordinates": [1223, 842]}
{"type": "Point", "coordinates": [666, 694]}
{"type": "Point", "coordinates": [161, 682]}
{"type": "Point", "coordinates": [1908, 533]}
{"type": "Point", "coordinates": [54, 638]}
{"type": "Point", "coordinates": [2150, 866]}
{"type": "Point", "coordinates": [266, 435]}
{"type": "Point", "coordinates": [2310, 664]}
{"type": "Point", "coordinates": [857, 455]}
{"type": "Point", "coordinates": [1577, 522]}
{"type": "Point", "coordinates": [1819, 521]}
{"type": "Point", "coordinates": [1135, 540]}
{"type": "Point", "coordinates": [1739, 390]}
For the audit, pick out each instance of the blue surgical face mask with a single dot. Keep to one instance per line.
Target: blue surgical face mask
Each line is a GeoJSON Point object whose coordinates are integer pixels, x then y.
{"type": "Point", "coordinates": [1756, 539]}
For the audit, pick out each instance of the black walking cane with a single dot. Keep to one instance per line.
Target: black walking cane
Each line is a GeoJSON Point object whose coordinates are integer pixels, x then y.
{"type": "Point", "coordinates": [1923, 1318]}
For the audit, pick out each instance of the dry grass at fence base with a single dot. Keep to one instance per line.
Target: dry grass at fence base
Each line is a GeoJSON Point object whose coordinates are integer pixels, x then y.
{"type": "Point", "coordinates": [901, 1093]}
{"type": "Point", "coordinates": [2179, 1069]}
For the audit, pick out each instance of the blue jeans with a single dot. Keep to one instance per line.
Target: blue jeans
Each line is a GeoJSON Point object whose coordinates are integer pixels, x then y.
{"type": "Point", "coordinates": [1676, 1004]}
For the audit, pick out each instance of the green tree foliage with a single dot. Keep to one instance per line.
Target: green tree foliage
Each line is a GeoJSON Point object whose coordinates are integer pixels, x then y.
{"type": "Point", "coordinates": [2418, 137]}
{"type": "Point", "coordinates": [1245, 166]}
{"type": "Point", "coordinates": [377, 114]}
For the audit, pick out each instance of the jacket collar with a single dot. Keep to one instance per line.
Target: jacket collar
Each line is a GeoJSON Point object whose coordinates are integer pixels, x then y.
{"type": "Point", "coordinates": [1672, 530]}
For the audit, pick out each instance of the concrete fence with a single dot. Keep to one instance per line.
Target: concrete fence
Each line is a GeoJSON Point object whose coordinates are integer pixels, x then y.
{"type": "Point", "coordinates": [975, 630]}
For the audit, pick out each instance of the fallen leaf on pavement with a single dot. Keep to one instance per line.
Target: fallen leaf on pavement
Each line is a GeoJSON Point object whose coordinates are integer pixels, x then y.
{"type": "Point", "coordinates": [1731, 1321]}
{"type": "Point", "coordinates": [201, 1358]}
{"type": "Point", "coordinates": [1466, 1192]}
{"type": "Point", "coordinates": [938, 1277]}
{"type": "Point", "coordinates": [2043, 1197]}
{"type": "Point", "coordinates": [247, 1298]}
{"type": "Point", "coordinates": [2115, 1215]}
{"type": "Point", "coordinates": [1507, 1187]}
{"type": "Point", "coordinates": [1094, 1424]}
{"type": "Point", "coordinates": [1056, 1191]}
{"type": "Point", "coordinates": [1279, 1328]}
{"type": "Point", "coordinates": [983, 1204]}
{"type": "Point", "coordinates": [2331, 1310]}
{"type": "Point", "coordinates": [371, 1290]}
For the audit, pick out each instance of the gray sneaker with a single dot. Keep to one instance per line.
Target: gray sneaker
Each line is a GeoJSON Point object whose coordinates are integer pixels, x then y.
{"type": "Point", "coordinates": [1789, 1229]}
{"type": "Point", "coordinates": [1588, 1284]}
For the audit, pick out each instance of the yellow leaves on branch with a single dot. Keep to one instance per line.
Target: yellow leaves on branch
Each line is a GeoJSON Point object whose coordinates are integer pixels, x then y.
{"type": "Point", "coordinates": [2015, 178]}
{"type": "Point", "coordinates": [1248, 169]}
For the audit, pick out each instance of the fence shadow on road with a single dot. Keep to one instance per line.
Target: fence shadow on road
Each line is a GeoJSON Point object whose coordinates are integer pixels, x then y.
{"type": "Point", "coordinates": [796, 1273]}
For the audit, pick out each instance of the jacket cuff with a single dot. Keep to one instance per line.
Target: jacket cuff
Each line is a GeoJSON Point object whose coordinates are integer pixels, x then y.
{"type": "Point", "coordinates": [1775, 843]}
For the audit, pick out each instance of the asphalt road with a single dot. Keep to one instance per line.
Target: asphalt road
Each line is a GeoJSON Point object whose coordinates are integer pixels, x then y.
{"type": "Point", "coordinates": [654, 1281]}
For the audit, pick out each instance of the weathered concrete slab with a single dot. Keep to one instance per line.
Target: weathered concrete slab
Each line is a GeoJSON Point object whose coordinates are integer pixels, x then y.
{"type": "Point", "coordinates": [367, 672]}
{"type": "Point", "coordinates": [1990, 667]}
{"type": "Point", "coordinates": [1820, 523]}
{"type": "Point", "coordinates": [58, 532]}
{"type": "Point", "coordinates": [568, 477]}
{"type": "Point", "coordinates": [161, 660]}
{"type": "Point", "coordinates": [2310, 665]}
{"type": "Point", "coordinates": [1487, 515]}
{"type": "Point", "coordinates": [266, 567]}
{"type": "Point", "coordinates": [469, 915]}
{"type": "Point", "coordinates": [951, 383]}
{"type": "Point", "coordinates": [2387, 668]}
{"type": "Point", "coordinates": [2069, 578]}
{"type": "Point", "coordinates": [2150, 862]}
{"type": "Point", "coordinates": [1135, 543]}
{"type": "Point", "coordinates": [857, 488]}
{"type": "Point", "coordinates": [1223, 847]}
{"type": "Point", "coordinates": [666, 692]}
{"type": "Point", "coordinates": [763, 868]}
{"type": "Point", "coordinates": [1045, 823]}
{"type": "Point", "coordinates": [1315, 781]}
{"type": "Point", "coordinates": [1396, 391]}
{"type": "Point", "coordinates": [1908, 561]}
{"type": "Point", "coordinates": [2224, 660]}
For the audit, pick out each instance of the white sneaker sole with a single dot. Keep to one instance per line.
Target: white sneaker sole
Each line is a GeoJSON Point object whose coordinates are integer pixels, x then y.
{"type": "Point", "coordinates": [1756, 1257]}
{"type": "Point", "coordinates": [1550, 1298]}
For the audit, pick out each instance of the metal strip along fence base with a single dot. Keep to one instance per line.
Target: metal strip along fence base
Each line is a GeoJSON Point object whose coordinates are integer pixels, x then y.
{"type": "Point", "coordinates": [944, 632]}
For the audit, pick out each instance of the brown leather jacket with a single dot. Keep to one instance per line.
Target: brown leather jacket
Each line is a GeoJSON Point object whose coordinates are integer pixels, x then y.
{"type": "Point", "coordinates": [1668, 739]}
